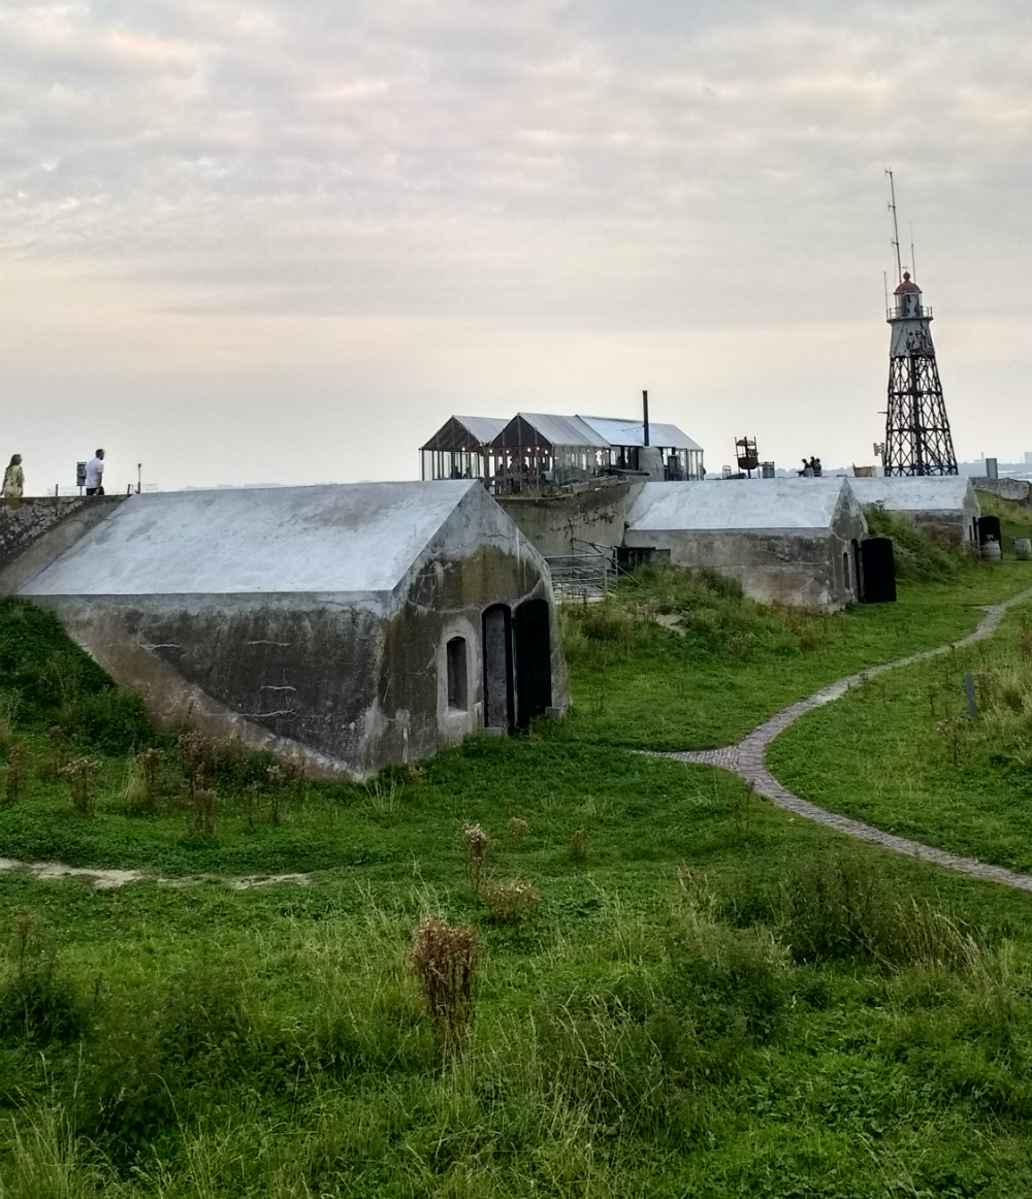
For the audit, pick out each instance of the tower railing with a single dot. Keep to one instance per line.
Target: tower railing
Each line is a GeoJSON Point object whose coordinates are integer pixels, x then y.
{"type": "Point", "coordinates": [898, 313]}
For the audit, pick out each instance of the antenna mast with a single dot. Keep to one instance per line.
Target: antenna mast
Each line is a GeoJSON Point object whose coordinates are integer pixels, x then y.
{"type": "Point", "coordinates": [913, 256]}
{"type": "Point", "coordinates": [895, 226]}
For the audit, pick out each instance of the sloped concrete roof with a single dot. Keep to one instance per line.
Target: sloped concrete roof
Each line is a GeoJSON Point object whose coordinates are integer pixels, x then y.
{"type": "Point", "coordinates": [358, 537]}
{"type": "Point", "coordinates": [737, 505]}
{"type": "Point", "coordinates": [930, 493]}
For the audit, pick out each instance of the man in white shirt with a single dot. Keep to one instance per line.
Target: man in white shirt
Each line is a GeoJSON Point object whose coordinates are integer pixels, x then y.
{"type": "Point", "coordinates": [95, 474]}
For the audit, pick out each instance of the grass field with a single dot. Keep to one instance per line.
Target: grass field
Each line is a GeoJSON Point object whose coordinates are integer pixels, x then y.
{"type": "Point", "coordinates": [695, 994]}
{"type": "Point", "coordinates": [903, 752]}
{"type": "Point", "coordinates": [733, 663]}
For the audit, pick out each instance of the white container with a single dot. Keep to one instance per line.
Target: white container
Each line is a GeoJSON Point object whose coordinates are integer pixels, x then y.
{"type": "Point", "coordinates": [991, 551]}
{"type": "Point", "coordinates": [1023, 548]}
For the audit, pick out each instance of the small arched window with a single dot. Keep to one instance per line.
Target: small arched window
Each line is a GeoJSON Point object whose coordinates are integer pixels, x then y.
{"type": "Point", "coordinates": [458, 686]}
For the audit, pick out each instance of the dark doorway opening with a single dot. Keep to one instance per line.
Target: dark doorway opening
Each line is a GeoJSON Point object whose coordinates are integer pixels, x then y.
{"type": "Point", "coordinates": [498, 688]}
{"type": "Point", "coordinates": [878, 564]}
{"type": "Point", "coordinates": [533, 660]}
{"type": "Point", "coordinates": [989, 529]}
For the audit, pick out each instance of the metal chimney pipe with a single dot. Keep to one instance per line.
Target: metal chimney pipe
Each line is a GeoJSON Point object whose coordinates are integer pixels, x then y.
{"type": "Point", "coordinates": [645, 411]}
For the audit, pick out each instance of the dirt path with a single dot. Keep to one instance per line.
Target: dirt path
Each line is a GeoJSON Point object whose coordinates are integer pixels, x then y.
{"type": "Point", "coordinates": [748, 759]}
{"type": "Point", "coordinates": [112, 880]}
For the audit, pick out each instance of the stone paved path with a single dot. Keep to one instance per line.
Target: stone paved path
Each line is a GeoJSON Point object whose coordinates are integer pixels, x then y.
{"type": "Point", "coordinates": [748, 759]}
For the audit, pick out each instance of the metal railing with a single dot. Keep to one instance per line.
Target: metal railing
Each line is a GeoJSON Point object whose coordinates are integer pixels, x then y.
{"type": "Point", "coordinates": [899, 313]}
{"type": "Point", "coordinates": [581, 576]}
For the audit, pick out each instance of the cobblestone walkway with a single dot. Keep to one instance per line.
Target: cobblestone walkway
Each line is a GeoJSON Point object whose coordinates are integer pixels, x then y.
{"type": "Point", "coordinates": [748, 759]}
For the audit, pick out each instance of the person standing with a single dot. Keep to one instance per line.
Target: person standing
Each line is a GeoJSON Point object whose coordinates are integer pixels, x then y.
{"type": "Point", "coordinates": [14, 479]}
{"type": "Point", "coordinates": [95, 474]}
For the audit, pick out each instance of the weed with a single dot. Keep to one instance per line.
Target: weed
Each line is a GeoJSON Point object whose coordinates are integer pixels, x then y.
{"type": "Point", "coordinates": [37, 1003]}
{"type": "Point", "coordinates": [579, 850]}
{"type": "Point", "coordinates": [14, 775]}
{"type": "Point", "coordinates": [10, 701]}
{"type": "Point", "coordinates": [140, 789]}
{"type": "Point", "coordinates": [518, 829]}
{"type": "Point", "coordinates": [81, 773]}
{"type": "Point", "coordinates": [382, 794]}
{"type": "Point", "coordinates": [444, 958]}
{"type": "Point", "coordinates": [58, 752]}
{"type": "Point", "coordinates": [509, 900]}
{"type": "Point", "coordinates": [952, 730]}
{"type": "Point", "coordinates": [195, 753]}
{"type": "Point", "coordinates": [203, 802]}
{"type": "Point", "coordinates": [740, 801]}
{"type": "Point", "coordinates": [476, 843]}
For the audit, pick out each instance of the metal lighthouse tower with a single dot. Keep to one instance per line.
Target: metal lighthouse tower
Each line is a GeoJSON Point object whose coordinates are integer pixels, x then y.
{"type": "Point", "coordinates": [917, 431]}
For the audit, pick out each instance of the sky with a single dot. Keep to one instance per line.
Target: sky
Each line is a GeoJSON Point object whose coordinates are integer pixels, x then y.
{"type": "Point", "coordinates": [284, 241]}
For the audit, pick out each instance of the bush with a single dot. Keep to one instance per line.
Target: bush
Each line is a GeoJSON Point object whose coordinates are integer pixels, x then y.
{"type": "Point", "coordinates": [40, 665]}
{"type": "Point", "coordinates": [111, 721]}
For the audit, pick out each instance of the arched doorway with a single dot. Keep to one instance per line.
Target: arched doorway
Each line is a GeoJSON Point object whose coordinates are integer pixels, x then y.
{"type": "Point", "coordinates": [498, 674]}
{"type": "Point", "coordinates": [533, 641]}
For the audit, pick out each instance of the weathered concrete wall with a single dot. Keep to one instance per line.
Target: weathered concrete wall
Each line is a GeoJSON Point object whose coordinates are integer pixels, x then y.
{"type": "Point", "coordinates": [1009, 489]}
{"type": "Point", "coordinates": [33, 532]}
{"type": "Point", "coordinates": [340, 682]}
{"type": "Point", "coordinates": [807, 568]}
{"type": "Point", "coordinates": [552, 523]}
{"type": "Point", "coordinates": [801, 571]}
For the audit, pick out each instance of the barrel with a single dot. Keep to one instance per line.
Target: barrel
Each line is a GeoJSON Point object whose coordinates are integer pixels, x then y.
{"type": "Point", "coordinates": [991, 551]}
{"type": "Point", "coordinates": [1023, 548]}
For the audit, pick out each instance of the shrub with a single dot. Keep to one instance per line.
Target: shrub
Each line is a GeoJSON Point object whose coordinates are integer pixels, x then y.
{"type": "Point", "coordinates": [109, 721]}
{"type": "Point", "coordinates": [444, 960]}
{"type": "Point", "coordinates": [37, 1003]}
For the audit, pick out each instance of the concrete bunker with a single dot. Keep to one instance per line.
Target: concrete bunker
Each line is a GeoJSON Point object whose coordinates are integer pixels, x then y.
{"type": "Point", "coordinates": [347, 626]}
{"type": "Point", "coordinates": [943, 506]}
{"type": "Point", "coordinates": [788, 541]}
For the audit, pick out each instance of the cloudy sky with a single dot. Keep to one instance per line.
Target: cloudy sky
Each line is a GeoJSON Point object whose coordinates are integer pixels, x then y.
{"type": "Point", "coordinates": [283, 241]}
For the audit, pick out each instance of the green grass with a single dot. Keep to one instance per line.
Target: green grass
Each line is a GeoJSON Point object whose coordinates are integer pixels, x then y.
{"type": "Point", "coordinates": [902, 752]}
{"type": "Point", "coordinates": [711, 998]}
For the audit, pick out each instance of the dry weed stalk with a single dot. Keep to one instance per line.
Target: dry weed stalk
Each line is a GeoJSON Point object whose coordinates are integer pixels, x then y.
{"type": "Point", "coordinates": [14, 776]}
{"type": "Point", "coordinates": [8, 711]}
{"type": "Point", "coordinates": [202, 807]}
{"type": "Point", "coordinates": [509, 900]}
{"type": "Point", "coordinates": [81, 773]}
{"type": "Point", "coordinates": [141, 783]}
{"type": "Point", "coordinates": [579, 845]}
{"type": "Point", "coordinates": [57, 739]}
{"type": "Point", "coordinates": [476, 843]}
{"type": "Point", "coordinates": [195, 750]}
{"type": "Point", "coordinates": [444, 958]}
